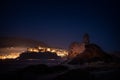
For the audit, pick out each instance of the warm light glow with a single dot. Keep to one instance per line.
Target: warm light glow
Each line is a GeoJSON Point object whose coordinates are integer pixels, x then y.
{"type": "Point", "coordinates": [33, 50]}
{"type": "Point", "coordinates": [30, 49]}
{"type": "Point", "coordinates": [11, 52]}
{"type": "Point", "coordinates": [53, 50]}
{"type": "Point", "coordinates": [62, 55]}
{"type": "Point", "coordinates": [59, 52]}
{"type": "Point", "coordinates": [14, 52]}
{"type": "Point", "coordinates": [40, 47]}
{"type": "Point", "coordinates": [48, 49]}
{"type": "Point", "coordinates": [10, 56]}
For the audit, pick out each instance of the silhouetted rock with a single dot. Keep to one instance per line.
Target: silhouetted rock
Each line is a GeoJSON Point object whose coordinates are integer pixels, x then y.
{"type": "Point", "coordinates": [31, 72]}
{"type": "Point", "coordinates": [75, 48]}
{"type": "Point", "coordinates": [8, 76]}
{"type": "Point", "coordinates": [116, 53]}
{"type": "Point", "coordinates": [75, 74]}
{"type": "Point", "coordinates": [39, 55]}
{"type": "Point", "coordinates": [86, 39]}
{"type": "Point", "coordinates": [35, 69]}
{"type": "Point", "coordinates": [92, 53]}
{"type": "Point", "coordinates": [57, 68]}
{"type": "Point", "coordinates": [43, 69]}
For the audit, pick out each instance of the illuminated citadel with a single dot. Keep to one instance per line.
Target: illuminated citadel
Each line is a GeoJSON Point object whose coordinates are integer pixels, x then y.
{"type": "Point", "coordinates": [14, 52]}
{"type": "Point", "coordinates": [59, 52]}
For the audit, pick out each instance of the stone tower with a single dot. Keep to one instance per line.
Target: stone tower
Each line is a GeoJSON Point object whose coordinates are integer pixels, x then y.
{"type": "Point", "coordinates": [86, 39]}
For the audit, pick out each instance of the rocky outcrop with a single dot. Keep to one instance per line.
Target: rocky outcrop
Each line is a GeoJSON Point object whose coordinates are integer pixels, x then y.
{"type": "Point", "coordinates": [86, 39]}
{"type": "Point", "coordinates": [39, 55]}
{"type": "Point", "coordinates": [75, 48]}
{"type": "Point", "coordinates": [86, 52]}
{"type": "Point", "coordinates": [92, 53]}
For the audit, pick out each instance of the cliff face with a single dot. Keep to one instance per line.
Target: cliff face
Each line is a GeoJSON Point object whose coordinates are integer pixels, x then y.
{"type": "Point", "coordinates": [75, 48]}
{"type": "Point", "coordinates": [87, 52]}
{"type": "Point", "coordinates": [91, 53]}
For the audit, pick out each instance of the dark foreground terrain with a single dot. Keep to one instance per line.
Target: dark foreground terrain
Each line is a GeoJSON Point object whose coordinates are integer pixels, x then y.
{"type": "Point", "coordinates": [59, 71]}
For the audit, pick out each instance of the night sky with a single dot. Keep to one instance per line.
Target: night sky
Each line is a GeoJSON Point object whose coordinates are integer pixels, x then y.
{"type": "Point", "coordinates": [58, 23]}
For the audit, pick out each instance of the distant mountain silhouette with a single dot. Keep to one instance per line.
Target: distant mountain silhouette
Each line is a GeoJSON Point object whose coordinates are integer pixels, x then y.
{"type": "Point", "coordinates": [93, 53]}
{"type": "Point", "coordinates": [19, 42]}
{"type": "Point", "coordinates": [40, 55]}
